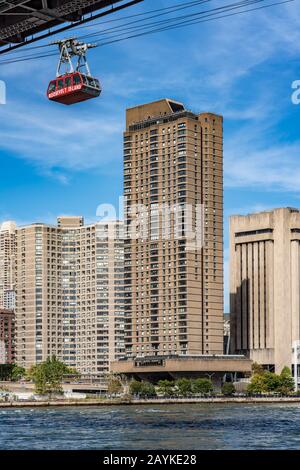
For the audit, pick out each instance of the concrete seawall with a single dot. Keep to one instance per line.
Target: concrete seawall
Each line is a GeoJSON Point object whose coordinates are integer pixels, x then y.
{"type": "Point", "coordinates": [159, 401]}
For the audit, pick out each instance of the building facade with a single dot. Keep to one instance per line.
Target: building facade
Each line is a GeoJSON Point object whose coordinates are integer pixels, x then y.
{"type": "Point", "coordinates": [7, 336]}
{"type": "Point", "coordinates": [226, 333]}
{"type": "Point", "coordinates": [70, 294]}
{"type": "Point", "coordinates": [173, 231]}
{"type": "Point", "coordinates": [100, 325]}
{"type": "Point", "coordinates": [7, 259]}
{"type": "Point", "coordinates": [265, 286]}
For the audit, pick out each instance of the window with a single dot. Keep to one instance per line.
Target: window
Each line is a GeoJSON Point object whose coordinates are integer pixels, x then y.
{"type": "Point", "coordinates": [91, 81]}
{"type": "Point", "coordinates": [253, 232]}
{"type": "Point", "coordinates": [52, 87]}
{"type": "Point", "coordinates": [76, 79]}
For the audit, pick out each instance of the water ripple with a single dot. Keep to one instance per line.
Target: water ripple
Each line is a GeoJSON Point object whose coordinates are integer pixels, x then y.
{"type": "Point", "coordinates": [199, 426]}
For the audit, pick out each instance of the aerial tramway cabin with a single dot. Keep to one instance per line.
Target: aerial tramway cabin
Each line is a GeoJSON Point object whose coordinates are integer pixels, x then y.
{"type": "Point", "coordinates": [73, 88]}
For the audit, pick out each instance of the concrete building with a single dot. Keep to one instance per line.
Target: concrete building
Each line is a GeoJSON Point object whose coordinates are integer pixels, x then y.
{"type": "Point", "coordinates": [7, 336]}
{"type": "Point", "coordinates": [173, 257]}
{"type": "Point", "coordinates": [7, 257]}
{"type": "Point", "coordinates": [173, 367]}
{"type": "Point", "coordinates": [265, 285]}
{"type": "Point", "coordinates": [226, 333]}
{"type": "Point", "coordinates": [70, 294]}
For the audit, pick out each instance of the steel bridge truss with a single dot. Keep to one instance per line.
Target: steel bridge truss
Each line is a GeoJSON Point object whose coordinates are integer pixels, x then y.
{"type": "Point", "coordinates": [21, 21]}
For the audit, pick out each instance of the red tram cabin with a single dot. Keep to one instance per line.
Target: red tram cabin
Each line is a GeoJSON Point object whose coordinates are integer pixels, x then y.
{"type": "Point", "coordinates": [73, 88]}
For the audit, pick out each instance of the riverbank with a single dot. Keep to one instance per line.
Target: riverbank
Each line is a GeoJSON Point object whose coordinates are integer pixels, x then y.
{"type": "Point", "coordinates": [158, 401]}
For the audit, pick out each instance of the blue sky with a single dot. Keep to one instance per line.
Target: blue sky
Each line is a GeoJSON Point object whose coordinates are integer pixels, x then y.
{"type": "Point", "coordinates": [67, 160]}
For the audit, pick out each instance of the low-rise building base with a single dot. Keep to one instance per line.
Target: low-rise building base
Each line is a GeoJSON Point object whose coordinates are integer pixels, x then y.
{"type": "Point", "coordinates": [158, 368]}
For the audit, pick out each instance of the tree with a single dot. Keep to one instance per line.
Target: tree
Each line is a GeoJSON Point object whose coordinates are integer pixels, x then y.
{"type": "Point", "coordinates": [72, 371]}
{"type": "Point", "coordinates": [184, 387]}
{"type": "Point", "coordinates": [48, 376]}
{"type": "Point", "coordinates": [147, 390]}
{"type": "Point", "coordinates": [270, 382]}
{"type": "Point", "coordinates": [202, 386]}
{"type": "Point", "coordinates": [286, 381]}
{"type": "Point", "coordinates": [135, 387]}
{"type": "Point", "coordinates": [11, 372]}
{"type": "Point", "coordinates": [114, 385]}
{"type": "Point", "coordinates": [228, 389]}
{"type": "Point", "coordinates": [166, 387]}
{"type": "Point", "coordinates": [257, 384]}
{"type": "Point", "coordinates": [17, 373]}
{"type": "Point", "coordinates": [142, 389]}
{"type": "Point", "coordinates": [257, 369]}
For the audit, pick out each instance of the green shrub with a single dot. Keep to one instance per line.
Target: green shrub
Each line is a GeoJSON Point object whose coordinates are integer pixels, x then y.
{"type": "Point", "coordinates": [166, 388]}
{"type": "Point", "coordinates": [228, 389]}
{"type": "Point", "coordinates": [202, 386]}
{"type": "Point", "coordinates": [184, 387]}
{"type": "Point", "coordinates": [268, 382]}
{"type": "Point", "coordinates": [142, 389]}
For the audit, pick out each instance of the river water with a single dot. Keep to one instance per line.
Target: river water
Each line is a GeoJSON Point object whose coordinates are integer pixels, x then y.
{"type": "Point", "coordinates": [200, 426]}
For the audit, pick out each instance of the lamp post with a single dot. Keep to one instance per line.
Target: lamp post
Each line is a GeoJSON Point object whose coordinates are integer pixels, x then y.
{"type": "Point", "coordinates": [296, 353]}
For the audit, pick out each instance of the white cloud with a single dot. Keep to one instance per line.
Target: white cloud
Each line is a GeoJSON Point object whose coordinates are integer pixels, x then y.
{"type": "Point", "coordinates": [46, 218]}
{"type": "Point", "coordinates": [58, 138]}
{"type": "Point", "coordinates": [274, 167]}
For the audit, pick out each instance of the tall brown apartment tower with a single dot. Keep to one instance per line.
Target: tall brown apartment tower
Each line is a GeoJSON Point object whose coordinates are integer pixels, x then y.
{"type": "Point", "coordinates": [173, 286]}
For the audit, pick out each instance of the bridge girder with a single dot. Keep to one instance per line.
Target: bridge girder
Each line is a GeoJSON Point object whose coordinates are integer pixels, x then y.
{"type": "Point", "coordinates": [21, 19]}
